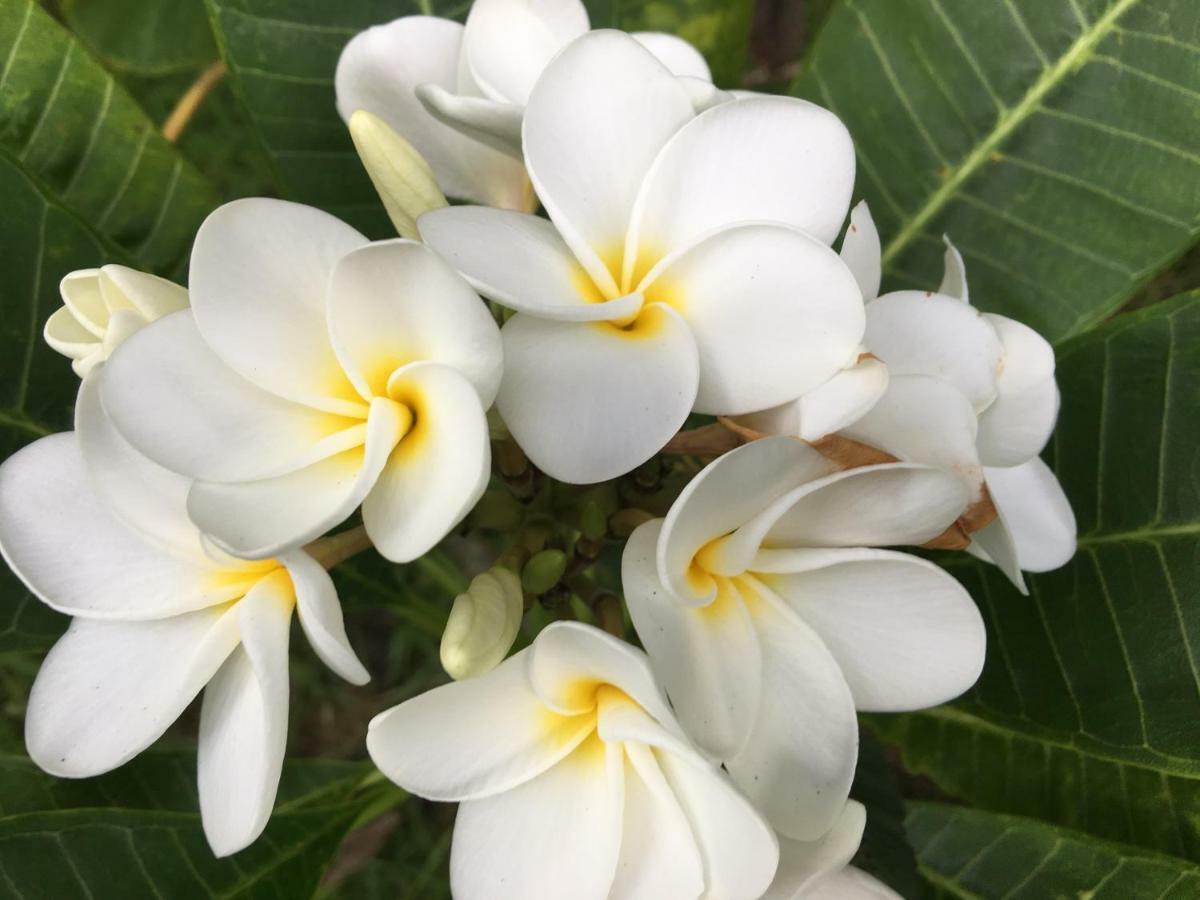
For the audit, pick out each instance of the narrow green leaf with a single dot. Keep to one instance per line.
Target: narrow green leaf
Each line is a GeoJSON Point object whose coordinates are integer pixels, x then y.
{"type": "Point", "coordinates": [145, 37]}
{"type": "Point", "coordinates": [1057, 142]}
{"type": "Point", "coordinates": [968, 853]}
{"type": "Point", "coordinates": [1088, 710]}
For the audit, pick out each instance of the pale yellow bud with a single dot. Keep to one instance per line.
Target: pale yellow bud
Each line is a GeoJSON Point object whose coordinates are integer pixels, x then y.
{"type": "Point", "coordinates": [483, 624]}
{"type": "Point", "coordinates": [400, 174]}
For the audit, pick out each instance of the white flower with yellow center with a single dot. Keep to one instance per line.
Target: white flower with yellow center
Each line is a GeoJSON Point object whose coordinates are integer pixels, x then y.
{"type": "Point", "coordinates": [685, 265]}
{"type": "Point", "coordinates": [769, 618]}
{"type": "Point", "coordinates": [102, 307]}
{"type": "Point", "coordinates": [155, 622]}
{"type": "Point", "coordinates": [458, 92]}
{"type": "Point", "coordinates": [574, 780]}
{"type": "Point", "coordinates": [316, 372]}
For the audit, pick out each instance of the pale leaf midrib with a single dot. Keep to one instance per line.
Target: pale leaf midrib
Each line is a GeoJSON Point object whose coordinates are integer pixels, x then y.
{"type": "Point", "coordinates": [1010, 119]}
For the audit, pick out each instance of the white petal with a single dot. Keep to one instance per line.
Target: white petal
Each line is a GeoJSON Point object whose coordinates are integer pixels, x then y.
{"type": "Point", "coordinates": [994, 543]}
{"type": "Point", "coordinates": [151, 296]}
{"type": "Point", "coordinates": [774, 312]}
{"type": "Point", "coordinates": [804, 864]}
{"type": "Point", "coordinates": [1016, 427]}
{"type": "Point", "coordinates": [258, 281]}
{"type": "Point", "coordinates": [707, 658]}
{"type": "Point", "coordinates": [438, 471]}
{"type": "Point", "coordinates": [726, 494]}
{"type": "Point", "coordinates": [556, 836]}
{"type": "Point", "coordinates": [260, 519]}
{"type": "Point", "coordinates": [1036, 512]}
{"type": "Point", "coordinates": [176, 402]}
{"type": "Point", "coordinates": [320, 615]}
{"type": "Point", "coordinates": [799, 761]}
{"type": "Point", "coordinates": [759, 159]}
{"type": "Point", "coordinates": [954, 276]}
{"type": "Point", "coordinates": [739, 849]}
{"type": "Point", "coordinates": [108, 690]}
{"type": "Point", "coordinates": [496, 124]}
{"type": "Point", "coordinates": [588, 401]}
{"type": "Point", "coordinates": [473, 738]}
{"type": "Point", "coordinates": [675, 53]}
{"type": "Point", "coordinates": [595, 121]}
{"type": "Point", "coordinates": [905, 633]}
{"type": "Point", "coordinates": [521, 261]}
{"type": "Point", "coordinates": [861, 251]}
{"type": "Point", "coordinates": [842, 400]}
{"type": "Point", "coordinates": [80, 292]}
{"type": "Point", "coordinates": [379, 70]}
{"type": "Point", "coordinates": [67, 336]}
{"type": "Point", "coordinates": [851, 884]}
{"type": "Point", "coordinates": [918, 333]}
{"type": "Point", "coordinates": [65, 545]}
{"type": "Point", "coordinates": [243, 723]}
{"type": "Point", "coordinates": [397, 302]}
{"type": "Point", "coordinates": [508, 43]}
{"type": "Point", "coordinates": [659, 857]}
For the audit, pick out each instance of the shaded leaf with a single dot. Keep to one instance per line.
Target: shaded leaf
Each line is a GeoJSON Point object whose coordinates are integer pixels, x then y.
{"type": "Point", "coordinates": [146, 37]}
{"type": "Point", "coordinates": [885, 851]}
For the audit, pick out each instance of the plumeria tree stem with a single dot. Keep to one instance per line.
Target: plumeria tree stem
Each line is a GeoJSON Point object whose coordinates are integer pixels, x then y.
{"type": "Point", "coordinates": [337, 548]}
{"type": "Point", "coordinates": [192, 99]}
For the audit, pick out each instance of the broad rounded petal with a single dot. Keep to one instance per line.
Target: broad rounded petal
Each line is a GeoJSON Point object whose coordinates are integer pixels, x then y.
{"type": "Point", "coordinates": [774, 313]}
{"type": "Point", "coordinates": [508, 43]}
{"type": "Point", "coordinates": [726, 494]}
{"type": "Point", "coordinates": [595, 122]}
{"type": "Point", "coordinates": [799, 761]}
{"type": "Point", "coordinates": [261, 519]}
{"type": "Point", "coordinates": [954, 275]}
{"type": "Point", "coordinates": [659, 856]}
{"type": "Point", "coordinates": [176, 402]}
{"type": "Point", "coordinates": [905, 633]}
{"type": "Point", "coordinates": [861, 251]}
{"type": "Point", "coordinates": [108, 690]}
{"type": "Point", "coordinates": [320, 615]}
{"type": "Point", "coordinates": [703, 93]}
{"type": "Point", "coordinates": [243, 723]}
{"type": "Point", "coordinates": [438, 471]}
{"type": "Point", "coordinates": [851, 884]}
{"type": "Point", "coordinates": [397, 302]}
{"type": "Point", "coordinates": [760, 158]}
{"type": "Point", "coordinates": [556, 836]}
{"type": "Point", "coordinates": [675, 53]}
{"type": "Point", "coordinates": [843, 399]}
{"type": "Point", "coordinates": [473, 738]}
{"type": "Point", "coordinates": [925, 420]}
{"type": "Point", "coordinates": [494, 123]}
{"type": "Point", "coordinates": [739, 849]}
{"type": "Point", "coordinates": [1037, 513]}
{"type": "Point", "coordinates": [589, 401]}
{"type": "Point", "coordinates": [706, 658]}
{"type": "Point", "coordinates": [151, 296]}
{"type": "Point", "coordinates": [258, 279]}
{"type": "Point", "coordinates": [379, 70]}
{"type": "Point", "coordinates": [66, 546]}
{"type": "Point", "coordinates": [918, 333]}
{"type": "Point", "coordinates": [521, 261]}
{"type": "Point", "coordinates": [1016, 427]}
{"type": "Point", "coordinates": [804, 864]}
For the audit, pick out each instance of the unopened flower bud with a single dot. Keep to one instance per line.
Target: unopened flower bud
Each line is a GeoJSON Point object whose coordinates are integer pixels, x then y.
{"type": "Point", "coordinates": [543, 571]}
{"type": "Point", "coordinates": [483, 624]}
{"type": "Point", "coordinates": [400, 174]}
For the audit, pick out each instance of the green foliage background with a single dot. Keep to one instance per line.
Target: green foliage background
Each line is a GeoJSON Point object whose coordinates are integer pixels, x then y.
{"type": "Point", "coordinates": [1056, 141]}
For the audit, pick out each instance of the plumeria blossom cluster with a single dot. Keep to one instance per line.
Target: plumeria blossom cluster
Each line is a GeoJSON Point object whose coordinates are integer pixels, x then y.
{"type": "Point", "coordinates": [644, 248]}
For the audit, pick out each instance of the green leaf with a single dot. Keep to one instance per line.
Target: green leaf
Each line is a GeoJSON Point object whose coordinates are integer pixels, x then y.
{"type": "Point", "coordinates": [972, 854]}
{"type": "Point", "coordinates": [1057, 143]}
{"type": "Point", "coordinates": [146, 37]}
{"type": "Point", "coordinates": [885, 851]}
{"type": "Point", "coordinates": [26, 624]}
{"type": "Point", "coordinates": [1088, 710]}
{"type": "Point", "coordinates": [68, 126]}
{"type": "Point", "coordinates": [137, 832]}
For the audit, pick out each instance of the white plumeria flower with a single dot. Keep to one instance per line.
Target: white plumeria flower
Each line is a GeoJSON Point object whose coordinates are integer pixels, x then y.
{"type": "Point", "coordinates": [102, 307]}
{"type": "Point", "coordinates": [155, 622]}
{"type": "Point", "coordinates": [975, 393]}
{"type": "Point", "coordinates": [458, 92]}
{"type": "Point", "coordinates": [574, 780]}
{"type": "Point", "coordinates": [686, 265]}
{"type": "Point", "coordinates": [315, 372]}
{"type": "Point", "coordinates": [769, 621]}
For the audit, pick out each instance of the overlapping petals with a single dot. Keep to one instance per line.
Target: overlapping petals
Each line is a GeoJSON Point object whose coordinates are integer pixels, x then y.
{"type": "Point", "coordinates": [769, 621]}
{"type": "Point", "coordinates": [574, 780]}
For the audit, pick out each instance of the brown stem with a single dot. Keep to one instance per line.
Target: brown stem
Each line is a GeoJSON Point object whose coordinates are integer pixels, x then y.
{"type": "Point", "coordinates": [336, 548]}
{"type": "Point", "coordinates": [182, 114]}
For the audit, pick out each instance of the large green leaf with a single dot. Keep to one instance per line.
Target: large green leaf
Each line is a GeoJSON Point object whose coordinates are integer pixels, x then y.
{"type": "Point", "coordinates": [1088, 710]}
{"type": "Point", "coordinates": [74, 131]}
{"type": "Point", "coordinates": [885, 851]}
{"type": "Point", "coordinates": [148, 37]}
{"type": "Point", "coordinates": [1057, 142]}
{"type": "Point", "coordinates": [967, 853]}
{"type": "Point", "coordinates": [136, 832]}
